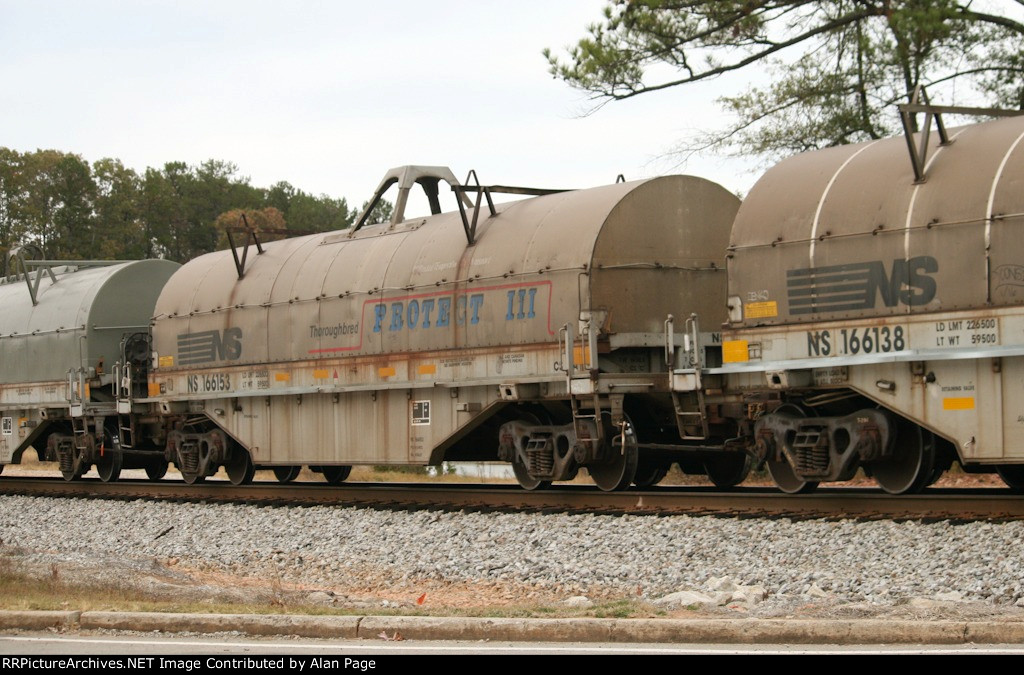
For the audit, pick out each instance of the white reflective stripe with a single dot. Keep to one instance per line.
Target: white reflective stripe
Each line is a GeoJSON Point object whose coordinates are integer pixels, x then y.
{"type": "Point", "coordinates": [867, 359]}
{"type": "Point", "coordinates": [824, 195]}
{"type": "Point", "coordinates": [913, 200]}
{"type": "Point", "coordinates": [992, 192]}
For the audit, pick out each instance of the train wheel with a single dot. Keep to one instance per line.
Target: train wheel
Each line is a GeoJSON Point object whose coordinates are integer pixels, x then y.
{"type": "Point", "coordinates": [72, 464]}
{"type": "Point", "coordinates": [336, 474]}
{"type": "Point", "coordinates": [619, 470]}
{"type": "Point", "coordinates": [1012, 475]}
{"type": "Point", "coordinates": [286, 474]}
{"type": "Point", "coordinates": [239, 468]}
{"type": "Point", "coordinates": [780, 470]}
{"type": "Point", "coordinates": [192, 478]}
{"type": "Point", "coordinates": [912, 464]}
{"type": "Point", "coordinates": [522, 472]}
{"type": "Point", "coordinates": [650, 472]}
{"type": "Point", "coordinates": [527, 481]}
{"type": "Point", "coordinates": [109, 467]}
{"type": "Point", "coordinates": [156, 471]}
{"type": "Point", "coordinates": [110, 460]}
{"type": "Point", "coordinates": [786, 479]}
{"type": "Point", "coordinates": [728, 470]}
{"type": "Point", "coordinates": [945, 455]}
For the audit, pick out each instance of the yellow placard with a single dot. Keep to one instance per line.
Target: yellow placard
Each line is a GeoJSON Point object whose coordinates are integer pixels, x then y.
{"type": "Point", "coordinates": [282, 377]}
{"type": "Point", "coordinates": [427, 369]}
{"type": "Point", "coordinates": [760, 310]}
{"type": "Point", "coordinates": [154, 388]}
{"type": "Point", "coordinates": [735, 351]}
{"type": "Point", "coordinates": [581, 356]}
{"type": "Point", "coordinates": [166, 361]}
{"type": "Point", "coordinates": [961, 403]}
{"type": "Point", "coordinates": [320, 374]}
{"type": "Point", "coordinates": [386, 371]}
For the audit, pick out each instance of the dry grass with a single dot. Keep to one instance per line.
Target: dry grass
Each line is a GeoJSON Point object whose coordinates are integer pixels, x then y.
{"type": "Point", "coordinates": [51, 589]}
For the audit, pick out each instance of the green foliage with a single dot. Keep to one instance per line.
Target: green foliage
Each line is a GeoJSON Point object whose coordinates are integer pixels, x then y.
{"type": "Point", "coordinates": [307, 213]}
{"type": "Point", "coordinates": [401, 468]}
{"type": "Point", "coordinates": [838, 67]}
{"type": "Point", "coordinates": [118, 231]}
{"type": "Point", "coordinates": [72, 210]}
{"type": "Point", "coordinates": [381, 212]}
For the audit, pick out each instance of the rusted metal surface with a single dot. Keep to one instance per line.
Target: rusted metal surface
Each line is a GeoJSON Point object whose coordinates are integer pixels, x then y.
{"type": "Point", "coordinates": [80, 317]}
{"type": "Point", "coordinates": [847, 232]}
{"type": "Point", "coordinates": [905, 292]}
{"type": "Point", "coordinates": [59, 345]}
{"type": "Point", "coordinates": [388, 344]}
{"type": "Point", "coordinates": [917, 141]}
{"type": "Point", "coordinates": [840, 503]}
{"type": "Point", "coordinates": [415, 286]}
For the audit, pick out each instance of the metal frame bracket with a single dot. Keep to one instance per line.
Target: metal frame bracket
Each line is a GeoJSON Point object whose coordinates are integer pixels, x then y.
{"type": "Point", "coordinates": [918, 103]}
{"type": "Point", "coordinates": [485, 191]}
{"type": "Point", "coordinates": [250, 238]}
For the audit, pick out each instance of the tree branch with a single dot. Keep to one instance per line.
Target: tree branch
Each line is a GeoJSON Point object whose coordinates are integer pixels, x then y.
{"type": "Point", "coordinates": [719, 70]}
{"type": "Point", "coordinates": [995, 19]}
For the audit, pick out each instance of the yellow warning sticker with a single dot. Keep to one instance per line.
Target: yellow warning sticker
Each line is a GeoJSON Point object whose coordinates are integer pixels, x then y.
{"type": "Point", "coordinates": [386, 371]}
{"type": "Point", "coordinates": [282, 377]}
{"type": "Point", "coordinates": [166, 361]}
{"type": "Point", "coordinates": [320, 375]}
{"type": "Point", "coordinates": [961, 403]}
{"type": "Point", "coordinates": [735, 351]}
{"type": "Point", "coordinates": [760, 310]}
{"type": "Point", "coordinates": [427, 369]}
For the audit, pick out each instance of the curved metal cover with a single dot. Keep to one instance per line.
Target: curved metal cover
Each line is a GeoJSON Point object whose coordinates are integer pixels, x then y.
{"type": "Point", "coordinates": [662, 251]}
{"type": "Point", "coordinates": [416, 286]}
{"type": "Point", "coordinates": [79, 320]}
{"type": "Point", "coordinates": [845, 232]}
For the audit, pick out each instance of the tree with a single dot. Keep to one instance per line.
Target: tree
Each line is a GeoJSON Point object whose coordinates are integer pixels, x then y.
{"type": "Point", "coordinates": [54, 209]}
{"type": "Point", "coordinates": [838, 66]}
{"type": "Point", "coordinates": [307, 213]}
{"type": "Point", "coordinates": [267, 222]}
{"type": "Point", "coordinates": [118, 230]}
{"type": "Point", "coordinates": [180, 205]}
{"type": "Point", "coordinates": [12, 196]}
{"type": "Point", "coordinates": [381, 212]}
{"type": "Point", "coordinates": [279, 195]}
{"type": "Point", "coordinates": [70, 209]}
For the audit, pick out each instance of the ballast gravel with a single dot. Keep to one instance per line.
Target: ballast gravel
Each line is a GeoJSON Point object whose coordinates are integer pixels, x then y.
{"type": "Point", "coordinates": [328, 549]}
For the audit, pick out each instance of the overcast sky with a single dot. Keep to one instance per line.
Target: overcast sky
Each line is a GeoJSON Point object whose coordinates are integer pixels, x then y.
{"type": "Point", "coordinates": [329, 95]}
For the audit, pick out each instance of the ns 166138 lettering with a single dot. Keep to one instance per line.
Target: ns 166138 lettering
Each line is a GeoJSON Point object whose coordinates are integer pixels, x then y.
{"type": "Point", "coordinates": [856, 340]}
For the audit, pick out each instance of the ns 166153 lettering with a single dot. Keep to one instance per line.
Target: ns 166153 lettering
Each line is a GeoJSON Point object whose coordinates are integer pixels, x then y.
{"type": "Point", "coordinates": [198, 384]}
{"type": "Point", "coordinates": [856, 340]}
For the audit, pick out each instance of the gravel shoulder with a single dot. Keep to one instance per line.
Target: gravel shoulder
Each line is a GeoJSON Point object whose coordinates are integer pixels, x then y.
{"type": "Point", "coordinates": [337, 559]}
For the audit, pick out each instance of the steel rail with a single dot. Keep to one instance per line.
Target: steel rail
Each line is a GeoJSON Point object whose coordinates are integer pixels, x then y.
{"type": "Point", "coordinates": [990, 504]}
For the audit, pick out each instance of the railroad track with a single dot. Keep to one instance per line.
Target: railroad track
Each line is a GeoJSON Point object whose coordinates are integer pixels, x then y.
{"type": "Point", "coordinates": [990, 504]}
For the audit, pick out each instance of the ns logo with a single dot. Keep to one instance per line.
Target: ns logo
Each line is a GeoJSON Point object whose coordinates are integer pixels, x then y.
{"type": "Point", "coordinates": [211, 345]}
{"type": "Point", "coordinates": [857, 286]}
